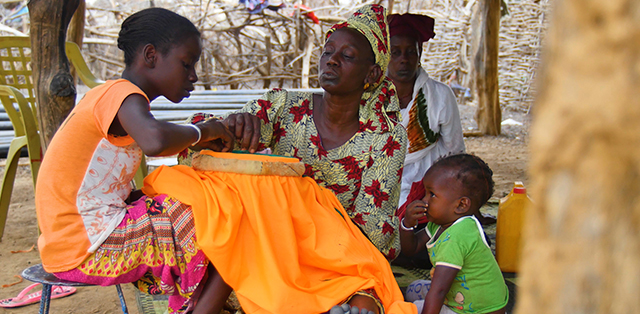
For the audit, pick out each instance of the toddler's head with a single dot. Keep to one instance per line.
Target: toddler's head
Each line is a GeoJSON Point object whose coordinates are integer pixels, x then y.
{"type": "Point", "coordinates": [157, 26]}
{"type": "Point", "coordinates": [457, 185]}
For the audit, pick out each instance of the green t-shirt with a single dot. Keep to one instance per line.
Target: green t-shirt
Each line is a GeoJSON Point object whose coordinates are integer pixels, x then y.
{"type": "Point", "coordinates": [479, 286]}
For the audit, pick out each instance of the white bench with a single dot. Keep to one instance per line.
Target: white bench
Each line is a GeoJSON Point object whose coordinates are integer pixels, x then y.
{"type": "Point", "coordinates": [217, 102]}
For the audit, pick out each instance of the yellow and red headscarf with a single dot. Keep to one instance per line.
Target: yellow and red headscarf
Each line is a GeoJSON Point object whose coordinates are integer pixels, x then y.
{"type": "Point", "coordinates": [380, 105]}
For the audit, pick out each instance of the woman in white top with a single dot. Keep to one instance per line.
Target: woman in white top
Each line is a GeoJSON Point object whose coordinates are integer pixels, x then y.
{"type": "Point", "coordinates": [428, 108]}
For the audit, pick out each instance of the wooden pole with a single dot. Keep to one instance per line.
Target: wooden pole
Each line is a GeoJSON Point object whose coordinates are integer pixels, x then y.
{"type": "Point", "coordinates": [267, 45]}
{"type": "Point", "coordinates": [297, 45]}
{"type": "Point", "coordinates": [55, 90]}
{"type": "Point", "coordinates": [306, 60]}
{"type": "Point", "coordinates": [488, 114]}
{"type": "Point", "coordinates": [582, 247]}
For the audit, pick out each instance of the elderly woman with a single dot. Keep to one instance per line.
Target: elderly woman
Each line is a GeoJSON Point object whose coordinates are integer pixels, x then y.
{"type": "Point", "coordinates": [349, 137]}
{"type": "Point", "coordinates": [428, 108]}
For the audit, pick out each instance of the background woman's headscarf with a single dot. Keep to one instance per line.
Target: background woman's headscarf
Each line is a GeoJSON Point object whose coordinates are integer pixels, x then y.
{"type": "Point", "coordinates": [418, 26]}
{"type": "Point", "coordinates": [381, 106]}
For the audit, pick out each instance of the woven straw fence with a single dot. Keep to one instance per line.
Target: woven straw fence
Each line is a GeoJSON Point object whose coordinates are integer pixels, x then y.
{"type": "Point", "coordinates": [280, 48]}
{"type": "Point", "coordinates": [447, 57]}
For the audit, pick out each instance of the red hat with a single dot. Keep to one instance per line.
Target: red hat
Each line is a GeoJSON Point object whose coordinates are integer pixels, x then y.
{"type": "Point", "coordinates": [419, 26]}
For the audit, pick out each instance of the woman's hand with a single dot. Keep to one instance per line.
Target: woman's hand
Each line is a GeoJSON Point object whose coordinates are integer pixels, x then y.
{"type": "Point", "coordinates": [215, 136]}
{"type": "Point", "coordinates": [246, 128]}
{"type": "Point", "coordinates": [416, 210]}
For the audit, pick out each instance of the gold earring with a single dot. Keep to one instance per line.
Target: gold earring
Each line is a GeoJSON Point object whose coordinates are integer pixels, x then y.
{"type": "Point", "coordinates": [366, 86]}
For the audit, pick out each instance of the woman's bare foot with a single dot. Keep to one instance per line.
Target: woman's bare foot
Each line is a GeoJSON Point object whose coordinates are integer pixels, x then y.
{"type": "Point", "coordinates": [359, 304]}
{"type": "Point", "coordinates": [348, 309]}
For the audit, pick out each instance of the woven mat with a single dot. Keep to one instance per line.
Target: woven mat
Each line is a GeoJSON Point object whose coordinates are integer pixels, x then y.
{"type": "Point", "coordinates": [151, 304]}
{"type": "Point", "coordinates": [405, 276]}
{"type": "Point", "coordinates": [157, 304]}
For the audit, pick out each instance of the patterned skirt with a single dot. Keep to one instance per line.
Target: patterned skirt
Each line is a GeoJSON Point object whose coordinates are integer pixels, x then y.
{"type": "Point", "coordinates": [154, 247]}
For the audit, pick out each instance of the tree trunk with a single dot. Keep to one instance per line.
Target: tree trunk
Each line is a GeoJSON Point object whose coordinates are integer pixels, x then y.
{"type": "Point", "coordinates": [55, 91]}
{"type": "Point", "coordinates": [488, 114]}
{"type": "Point", "coordinates": [582, 248]}
{"type": "Point", "coordinates": [76, 31]}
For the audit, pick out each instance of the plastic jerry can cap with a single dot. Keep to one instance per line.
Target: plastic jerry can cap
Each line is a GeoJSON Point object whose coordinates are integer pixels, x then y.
{"type": "Point", "coordinates": [519, 190]}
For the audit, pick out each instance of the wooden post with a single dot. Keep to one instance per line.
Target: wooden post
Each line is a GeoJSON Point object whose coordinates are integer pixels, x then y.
{"type": "Point", "coordinates": [485, 62]}
{"type": "Point", "coordinates": [55, 90]}
{"type": "Point", "coordinates": [582, 247]}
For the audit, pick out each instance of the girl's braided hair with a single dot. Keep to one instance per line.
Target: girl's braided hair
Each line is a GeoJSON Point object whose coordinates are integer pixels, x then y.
{"type": "Point", "coordinates": [157, 26]}
{"type": "Point", "coordinates": [474, 174]}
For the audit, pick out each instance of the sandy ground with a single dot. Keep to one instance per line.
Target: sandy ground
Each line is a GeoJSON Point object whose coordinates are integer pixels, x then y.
{"type": "Point", "coordinates": [506, 154]}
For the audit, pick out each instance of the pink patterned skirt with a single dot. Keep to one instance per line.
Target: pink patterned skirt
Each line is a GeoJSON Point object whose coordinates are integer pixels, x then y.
{"type": "Point", "coordinates": [155, 248]}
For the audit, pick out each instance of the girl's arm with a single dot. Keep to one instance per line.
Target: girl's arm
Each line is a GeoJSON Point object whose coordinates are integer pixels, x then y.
{"type": "Point", "coordinates": [159, 138]}
{"type": "Point", "coordinates": [440, 284]}
{"type": "Point", "coordinates": [413, 242]}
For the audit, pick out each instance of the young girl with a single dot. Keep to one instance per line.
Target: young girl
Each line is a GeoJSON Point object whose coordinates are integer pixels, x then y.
{"type": "Point", "coordinates": [466, 277]}
{"type": "Point", "coordinates": [94, 228]}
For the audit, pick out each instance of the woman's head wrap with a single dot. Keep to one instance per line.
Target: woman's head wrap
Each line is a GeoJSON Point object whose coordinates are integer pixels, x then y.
{"type": "Point", "coordinates": [371, 22]}
{"type": "Point", "coordinates": [380, 103]}
{"type": "Point", "coordinates": [416, 25]}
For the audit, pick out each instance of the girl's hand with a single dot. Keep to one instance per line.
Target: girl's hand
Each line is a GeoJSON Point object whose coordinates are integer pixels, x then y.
{"type": "Point", "coordinates": [416, 210]}
{"type": "Point", "coordinates": [215, 136]}
{"type": "Point", "coordinates": [246, 128]}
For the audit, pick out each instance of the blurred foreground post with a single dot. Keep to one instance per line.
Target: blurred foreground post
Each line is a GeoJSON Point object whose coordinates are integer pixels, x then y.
{"type": "Point", "coordinates": [55, 89]}
{"type": "Point", "coordinates": [582, 249]}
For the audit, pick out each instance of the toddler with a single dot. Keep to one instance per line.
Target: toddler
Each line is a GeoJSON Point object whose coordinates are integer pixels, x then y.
{"type": "Point", "coordinates": [466, 276]}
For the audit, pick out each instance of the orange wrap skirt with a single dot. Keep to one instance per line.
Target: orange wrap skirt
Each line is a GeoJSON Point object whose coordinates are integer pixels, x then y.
{"type": "Point", "coordinates": [284, 244]}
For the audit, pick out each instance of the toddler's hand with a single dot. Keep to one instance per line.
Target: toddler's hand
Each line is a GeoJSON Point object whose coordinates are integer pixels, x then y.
{"type": "Point", "coordinates": [215, 136]}
{"type": "Point", "coordinates": [416, 210]}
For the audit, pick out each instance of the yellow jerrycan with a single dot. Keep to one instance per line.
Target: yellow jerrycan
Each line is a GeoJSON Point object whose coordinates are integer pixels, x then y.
{"type": "Point", "coordinates": [511, 213]}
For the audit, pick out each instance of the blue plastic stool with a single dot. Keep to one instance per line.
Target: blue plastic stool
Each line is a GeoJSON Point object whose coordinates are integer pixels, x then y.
{"type": "Point", "coordinates": [37, 274]}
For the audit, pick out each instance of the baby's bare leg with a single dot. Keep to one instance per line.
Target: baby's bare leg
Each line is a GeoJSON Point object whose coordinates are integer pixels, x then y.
{"type": "Point", "coordinates": [359, 304]}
